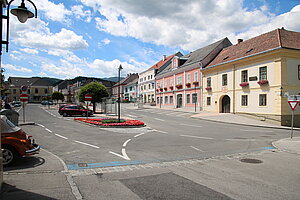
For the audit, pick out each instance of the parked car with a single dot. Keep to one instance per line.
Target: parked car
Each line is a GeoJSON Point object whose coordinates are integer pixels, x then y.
{"type": "Point", "coordinates": [47, 102]}
{"type": "Point", "coordinates": [15, 142]}
{"type": "Point", "coordinates": [16, 104]}
{"type": "Point", "coordinates": [70, 110]}
{"type": "Point", "coordinates": [63, 105]}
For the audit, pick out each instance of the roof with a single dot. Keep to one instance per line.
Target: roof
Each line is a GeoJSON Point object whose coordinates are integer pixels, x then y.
{"type": "Point", "coordinates": [33, 81]}
{"type": "Point", "coordinates": [162, 62]}
{"type": "Point", "coordinates": [279, 38]}
{"type": "Point", "coordinates": [203, 55]}
{"type": "Point", "coordinates": [128, 79]}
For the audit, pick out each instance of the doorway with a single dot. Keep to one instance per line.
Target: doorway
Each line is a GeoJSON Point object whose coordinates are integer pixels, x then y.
{"type": "Point", "coordinates": [179, 101]}
{"type": "Point", "coordinates": [226, 104]}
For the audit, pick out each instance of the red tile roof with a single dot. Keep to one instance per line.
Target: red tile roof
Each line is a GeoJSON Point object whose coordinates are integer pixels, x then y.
{"type": "Point", "coordinates": [162, 62]}
{"type": "Point", "coordinates": [279, 38]}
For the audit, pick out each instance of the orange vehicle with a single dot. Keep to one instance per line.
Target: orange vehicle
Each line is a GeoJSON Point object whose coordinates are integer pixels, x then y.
{"type": "Point", "coordinates": [15, 142]}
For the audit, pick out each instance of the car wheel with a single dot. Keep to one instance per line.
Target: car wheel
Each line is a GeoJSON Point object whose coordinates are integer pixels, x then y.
{"type": "Point", "coordinates": [9, 155]}
{"type": "Point", "coordinates": [83, 114]}
{"type": "Point", "coordinates": [65, 114]}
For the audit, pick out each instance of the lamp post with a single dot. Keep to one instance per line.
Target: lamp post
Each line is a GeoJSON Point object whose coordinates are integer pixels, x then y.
{"type": "Point", "coordinates": [23, 14]}
{"type": "Point", "coordinates": [119, 98]}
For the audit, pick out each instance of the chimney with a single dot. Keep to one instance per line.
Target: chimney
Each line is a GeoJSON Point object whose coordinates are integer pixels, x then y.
{"type": "Point", "coordinates": [240, 40]}
{"type": "Point", "coordinates": [164, 57]}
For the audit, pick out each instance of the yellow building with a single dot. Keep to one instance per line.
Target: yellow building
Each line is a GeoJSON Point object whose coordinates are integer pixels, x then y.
{"type": "Point", "coordinates": [255, 77]}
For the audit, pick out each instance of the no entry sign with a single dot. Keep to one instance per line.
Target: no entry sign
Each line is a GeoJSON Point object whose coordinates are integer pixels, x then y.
{"type": "Point", "coordinates": [24, 97]}
{"type": "Point", "coordinates": [88, 97]}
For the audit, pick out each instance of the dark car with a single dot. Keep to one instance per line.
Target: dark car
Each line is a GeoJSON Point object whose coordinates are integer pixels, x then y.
{"type": "Point", "coordinates": [70, 110]}
{"type": "Point", "coordinates": [47, 102]}
{"type": "Point", "coordinates": [15, 142]}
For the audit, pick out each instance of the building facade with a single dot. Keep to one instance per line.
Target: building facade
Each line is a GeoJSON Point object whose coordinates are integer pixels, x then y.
{"type": "Point", "coordinates": [179, 84]}
{"type": "Point", "coordinates": [255, 77]}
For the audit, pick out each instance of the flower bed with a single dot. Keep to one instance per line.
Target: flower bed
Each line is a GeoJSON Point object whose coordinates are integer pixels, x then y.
{"type": "Point", "coordinates": [263, 82]}
{"type": "Point", "coordinates": [109, 122]}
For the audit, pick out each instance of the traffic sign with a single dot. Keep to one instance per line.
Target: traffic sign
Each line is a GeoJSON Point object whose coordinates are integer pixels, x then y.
{"type": "Point", "coordinates": [293, 104]}
{"type": "Point", "coordinates": [23, 88]}
{"type": "Point", "coordinates": [88, 97]}
{"type": "Point", "coordinates": [24, 97]}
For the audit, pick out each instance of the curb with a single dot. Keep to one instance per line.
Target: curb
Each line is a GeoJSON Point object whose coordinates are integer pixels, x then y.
{"type": "Point", "coordinates": [285, 150]}
{"type": "Point", "coordinates": [252, 125]}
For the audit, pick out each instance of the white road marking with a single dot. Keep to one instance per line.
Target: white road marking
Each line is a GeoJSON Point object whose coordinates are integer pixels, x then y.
{"type": "Point", "coordinates": [139, 135]}
{"type": "Point", "coordinates": [197, 149]}
{"type": "Point", "coordinates": [48, 130]}
{"type": "Point", "coordinates": [263, 131]}
{"type": "Point", "coordinates": [124, 156]}
{"type": "Point", "coordinates": [41, 125]}
{"type": "Point", "coordinates": [131, 115]}
{"type": "Point", "coordinates": [241, 140]}
{"type": "Point", "coordinates": [172, 113]}
{"type": "Point", "coordinates": [87, 144]}
{"type": "Point", "coordinates": [192, 136]}
{"type": "Point", "coordinates": [159, 131]}
{"type": "Point", "coordinates": [125, 143]}
{"type": "Point", "coordinates": [61, 136]}
{"type": "Point", "coordinates": [190, 125]}
{"type": "Point", "coordinates": [159, 119]}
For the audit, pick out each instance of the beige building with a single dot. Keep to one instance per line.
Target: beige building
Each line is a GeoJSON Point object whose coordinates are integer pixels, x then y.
{"type": "Point", "coordinates": [255, 77]}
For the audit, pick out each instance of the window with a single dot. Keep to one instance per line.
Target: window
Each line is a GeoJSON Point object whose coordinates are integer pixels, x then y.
{"type": "Point", "coordinates": [166, 99]}
{"type": "Point", "coordinates": [194, 98]}
{"type": "Point", "coordinates": [208, 101]}
{"type": "Point", "coordinates": [171, 82]}
{"type": "Point", "coordinates": [188, 79]}
{"type": "Point", "coordinates": [208, 82]}
{"type": "Point", "coordinates": [144, 78]}
{"type": "Point", "coordinates": [126, 90]}
{"type": "Point", "coordinates": [151, 76]}
{"type": "Point", "coordinates": [299, 72]}
{"type": "Point", "coordinates": [165, 83]}
{"type": "Point", "coordinates": [46, 91]}
{"type": "Point", "coordinates": [14, 91]}
{"type": "Point", "coordinates": [36, 90]}
{"type": "Point", "coordinates": [263, 73]}
{"type": "Point", "coordinates": [195, 76]}
{"type": "Point", "coordinates": [28, 91]}
{"type": "Point", "coordinates": [244, 77]}
{"type": "Point", "coordinates": [224, 79]}
{"type": "Point", "coordinates": [262, 100]}
{"type": "Point", "coordinates": [157, 100]}
{"type": "Point", "coordinates": [149, 86]}
{"type": "Point", "coordinates": [171, 99]}
{"type": "Point", "coordinates": [130, 88]}
{"type": "Point", "coordinates": [179, 80]}
{"type": "Point", "coordinates": [144, 87]}
{"type": "Point", "coordinates": [141, 88]}
{"type": "Point", "coordinates": [188, 98]}
{"type": "Point", "coordinates": [244, 100]}
{"type": "Point", "coordinates": [161, 100]}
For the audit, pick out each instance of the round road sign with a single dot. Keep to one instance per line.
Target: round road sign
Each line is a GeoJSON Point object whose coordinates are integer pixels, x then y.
{"type": "Point", "coordinates": [24, 97]}
{"type": "Point", "coordinates": [88, 97]}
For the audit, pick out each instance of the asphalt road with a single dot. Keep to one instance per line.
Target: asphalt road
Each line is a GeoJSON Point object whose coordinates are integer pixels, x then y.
{"type": "Point", "coordinates": [173, 157]}
{"type": "Point", "coordinates": [168, 136]}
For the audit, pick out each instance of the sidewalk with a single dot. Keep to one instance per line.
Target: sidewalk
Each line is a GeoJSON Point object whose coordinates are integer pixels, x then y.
{"type": "Point", "coordinates": [38, 177]}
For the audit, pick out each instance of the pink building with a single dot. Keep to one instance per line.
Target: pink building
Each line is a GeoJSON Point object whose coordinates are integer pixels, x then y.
{"type": "Point", "coordinates": [179, 85]}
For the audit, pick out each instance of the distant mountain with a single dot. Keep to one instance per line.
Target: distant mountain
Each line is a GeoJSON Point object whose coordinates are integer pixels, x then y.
{"type": "Point", "coordinates": [113, 79]}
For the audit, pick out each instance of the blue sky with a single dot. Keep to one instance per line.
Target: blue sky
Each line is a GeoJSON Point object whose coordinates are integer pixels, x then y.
{"type": "Point", "coordinates": [92, 38]}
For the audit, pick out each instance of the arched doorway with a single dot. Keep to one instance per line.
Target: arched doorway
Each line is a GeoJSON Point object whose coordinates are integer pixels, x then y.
{"type": "Point", "coordinates": [225, 108]}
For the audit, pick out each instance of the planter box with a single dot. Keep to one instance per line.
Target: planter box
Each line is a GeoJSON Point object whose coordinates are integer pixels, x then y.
{"type": "Point", "coordinates": [244, 84]}
{"type": "Point", "coordinates": [208, 88]}
{"type": "Point", "coordinates": [263, 82]}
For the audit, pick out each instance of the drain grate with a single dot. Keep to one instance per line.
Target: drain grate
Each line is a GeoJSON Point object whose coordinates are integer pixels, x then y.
{"type": "Point", "coordinates": [251, 160]}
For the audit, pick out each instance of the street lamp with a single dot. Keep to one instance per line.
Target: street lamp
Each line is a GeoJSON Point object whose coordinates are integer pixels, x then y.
{"type": "Point", "coordinates": [119, 98]}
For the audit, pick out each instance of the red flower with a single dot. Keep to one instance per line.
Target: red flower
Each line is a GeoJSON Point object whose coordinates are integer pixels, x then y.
{"type": "Point", "coordinates": [263, 82]}
{"type": "Point", "coordinates": [208, 88]}
{"type": "Point", "coordinates": [244, 84]}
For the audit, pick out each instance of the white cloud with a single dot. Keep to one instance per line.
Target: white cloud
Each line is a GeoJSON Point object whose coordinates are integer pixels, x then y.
{"type": "Point", "coordinates": [103, 42]}
{"type": "Point", "coordinates": [104, 68]}
{"type": "Point", "coordinates": [54, 12]}
{"type": "Point", "coordinates": [16, 68]}
{"type": "Point", "coordinates": [30, 51]}
{"type": "Point", "coordinates": [184, 23]}
{"type": "Point", "coordinates": [81, 14]}
{"type": "Point", "coordinates": [65, 70]}
{"type": "Point", "coordinates": [67, 55]}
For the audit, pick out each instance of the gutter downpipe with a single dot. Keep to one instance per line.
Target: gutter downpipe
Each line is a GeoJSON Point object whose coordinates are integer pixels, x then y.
{"type": "Point", "coordinates": [233, 109]}
{"type": "Point", "coordinates": [201, 89]}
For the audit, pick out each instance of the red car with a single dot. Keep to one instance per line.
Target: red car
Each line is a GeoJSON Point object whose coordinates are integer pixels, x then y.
{"type": "Point", "coordinates": [15, 142]}
{"type": "Point", "coordinates": [70, 110]}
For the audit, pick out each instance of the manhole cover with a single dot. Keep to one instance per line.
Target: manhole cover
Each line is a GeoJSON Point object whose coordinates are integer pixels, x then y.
{"type": "Point", "coordinates": [251, 160]}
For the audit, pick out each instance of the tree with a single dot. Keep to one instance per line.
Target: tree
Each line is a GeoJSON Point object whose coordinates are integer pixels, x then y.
{"type": "Point", "coordinates": [58, 96]}
{"type": "Point", "coordinates": [96, 89]}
